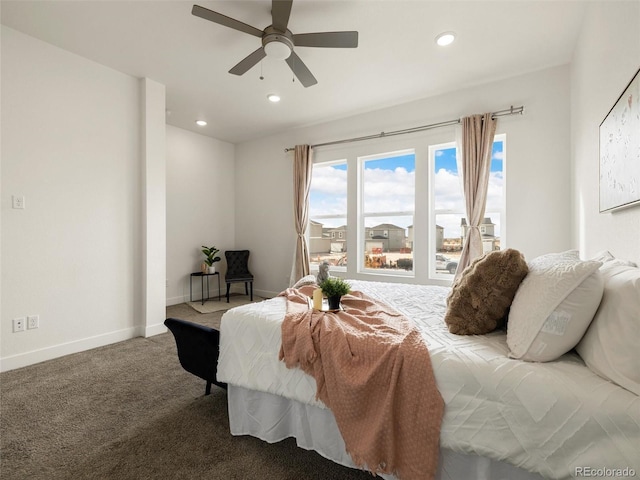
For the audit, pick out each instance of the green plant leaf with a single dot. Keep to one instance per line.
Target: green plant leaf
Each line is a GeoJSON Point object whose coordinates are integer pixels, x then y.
{"type": "Point", "coordinates": [335, 286]}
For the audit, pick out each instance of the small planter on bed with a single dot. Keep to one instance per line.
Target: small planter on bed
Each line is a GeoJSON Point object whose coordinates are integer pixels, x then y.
{"type": "Point", "coordinates": [334, 288]}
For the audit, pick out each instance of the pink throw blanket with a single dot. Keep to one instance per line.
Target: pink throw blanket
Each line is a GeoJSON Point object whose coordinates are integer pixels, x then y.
{"type": "Point", "coordinates": [374, 372]}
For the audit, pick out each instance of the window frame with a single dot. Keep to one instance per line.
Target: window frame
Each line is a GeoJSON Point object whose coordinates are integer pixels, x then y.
{"type": "Point", "coordinates": [362, 215]}
{"type": "Point", "coordinates": [433, 212]}
{"type": "Point", "coordinates": [340, 161]}
{"type": "Point", "coordinates": [423, 231]}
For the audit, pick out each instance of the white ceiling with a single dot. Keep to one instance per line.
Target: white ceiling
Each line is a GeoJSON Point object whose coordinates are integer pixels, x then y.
{"type": "Point", "coordinates": [396, 60]}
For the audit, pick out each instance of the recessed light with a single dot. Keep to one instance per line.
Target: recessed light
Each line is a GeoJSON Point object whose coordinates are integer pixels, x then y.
{"type": "Point", "coordinates": [201, 123]}
{"type": "Point", "coordinates": [273, 98]}
{"type": "Point", "coordinates": [445, 39]}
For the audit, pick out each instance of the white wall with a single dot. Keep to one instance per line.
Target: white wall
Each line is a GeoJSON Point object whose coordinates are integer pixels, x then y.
{"type": "Point", "coordinates": [71, 132]}
{"type": "Point", "coordinates": [154, 218]}
{"type": "Point", "coordinates": [606, 58]}
{"type": "Point", "coordinates": [537, 169]}
{"type": "Point", "coordinates": [200, 207]}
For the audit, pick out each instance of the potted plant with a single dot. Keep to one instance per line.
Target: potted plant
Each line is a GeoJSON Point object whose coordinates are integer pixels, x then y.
{"type": "Point", "coordinates": [211, 254]}
{"type": "Point", "coordinates": [334, 288]}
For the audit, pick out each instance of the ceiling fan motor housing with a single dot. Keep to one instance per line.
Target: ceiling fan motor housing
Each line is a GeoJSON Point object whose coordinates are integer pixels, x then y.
{"type": "Point", "coordinates": [277, 44]}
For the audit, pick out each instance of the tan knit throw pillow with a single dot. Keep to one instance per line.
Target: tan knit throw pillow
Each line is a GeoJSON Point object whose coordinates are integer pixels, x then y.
{"type": "Point", "coordinates": [481, 296]}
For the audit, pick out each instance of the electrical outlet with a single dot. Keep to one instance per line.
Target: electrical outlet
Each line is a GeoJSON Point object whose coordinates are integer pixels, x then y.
{"type": "Point", "coordinates": [19, 324]}
{"type": "Point", "coordinates": [18, 201]}
{"type": "Point", "coordinates": [33, 321]}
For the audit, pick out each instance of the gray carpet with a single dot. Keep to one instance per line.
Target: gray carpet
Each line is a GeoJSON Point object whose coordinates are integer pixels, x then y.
{"type": "Point", "coordinates": [129, 411]}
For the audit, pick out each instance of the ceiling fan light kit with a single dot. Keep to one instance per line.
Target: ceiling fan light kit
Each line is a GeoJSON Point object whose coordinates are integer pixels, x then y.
{"type": "Point", "coordinates": [277, 45]}
{"type": "Point", "coordinates": [277, 40]}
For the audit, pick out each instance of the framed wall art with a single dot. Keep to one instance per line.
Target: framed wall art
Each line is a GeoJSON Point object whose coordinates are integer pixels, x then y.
{"type": "Point", "coordinates": [620, 151]}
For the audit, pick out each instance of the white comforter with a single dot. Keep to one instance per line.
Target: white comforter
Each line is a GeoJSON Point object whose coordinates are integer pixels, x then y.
{"type": "Point", "coordinates": [553, 418]}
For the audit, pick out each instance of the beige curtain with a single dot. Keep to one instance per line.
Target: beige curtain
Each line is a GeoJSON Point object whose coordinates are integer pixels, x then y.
{"type": "Point", "coordinates": [476, 150]}
{"type": "Point", "coordinates": [302, 168]}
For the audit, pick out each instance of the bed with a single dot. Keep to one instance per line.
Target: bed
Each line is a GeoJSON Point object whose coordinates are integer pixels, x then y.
{"type": "Point", "coordinates": [503, 418]}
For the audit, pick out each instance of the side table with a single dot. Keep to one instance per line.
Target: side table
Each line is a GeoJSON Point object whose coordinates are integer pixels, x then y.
{"type": "Point", "coordinates": [202, 277]}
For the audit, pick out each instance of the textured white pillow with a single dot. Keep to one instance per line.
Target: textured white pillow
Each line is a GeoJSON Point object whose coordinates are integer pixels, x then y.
{"type": "Point", "coordinates": [605, 256]}
{"type": "Point", "coordinates": [306, 280]}
{"type": "Point", "coordinates": [611, 346]}
{"type": "Point", "coordinates": [554, 306]}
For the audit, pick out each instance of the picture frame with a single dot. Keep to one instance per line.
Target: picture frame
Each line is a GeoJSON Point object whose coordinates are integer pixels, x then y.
{"type": "Point", "coordinates": [619, 175]}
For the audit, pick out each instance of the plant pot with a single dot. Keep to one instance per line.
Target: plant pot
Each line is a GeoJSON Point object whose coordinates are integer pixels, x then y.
{"type": "Point", "coordinates": [334, 302]}
{"type": "Point", "coordinates": [211, 269]}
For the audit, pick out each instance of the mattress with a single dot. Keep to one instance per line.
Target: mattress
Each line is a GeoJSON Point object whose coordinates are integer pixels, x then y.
{"type": "Point", "coordinates": [553, 418]}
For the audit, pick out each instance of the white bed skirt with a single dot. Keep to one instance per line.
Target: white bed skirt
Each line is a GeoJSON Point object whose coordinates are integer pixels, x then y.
{"type": "Point", "coordinates": [273, 418]}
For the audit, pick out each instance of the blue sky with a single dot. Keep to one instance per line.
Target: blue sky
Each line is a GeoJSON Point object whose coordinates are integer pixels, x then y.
{"type": "Point", "coordinates": [446, 158]}
{"type": "Point", "coordinates": [403, 161]}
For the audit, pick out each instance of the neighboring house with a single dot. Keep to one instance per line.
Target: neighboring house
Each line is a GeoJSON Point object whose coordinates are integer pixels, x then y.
{"type": "Point", "coordinates": [487, 230]}
{"type": "Point", "coordinates": [387, 236]}
{"type": "Point", "coordinates": [326, 240]}
{"type": "Point", "coordinates": [409, 242]}
{"type": "Point", "coordinates": [381, 238]}
{"type": "Point", "coordinates": [319, 242]}
{"type": "Point", "coordinates": [338, 238]}
{"type": "Point", "coordinates": [439, 238]}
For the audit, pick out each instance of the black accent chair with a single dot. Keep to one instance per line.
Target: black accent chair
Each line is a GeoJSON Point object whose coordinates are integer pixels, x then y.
{"type": "Point", "coordinates": [238, 271]}
{"type": "Point", "coordinates": [198, 349]}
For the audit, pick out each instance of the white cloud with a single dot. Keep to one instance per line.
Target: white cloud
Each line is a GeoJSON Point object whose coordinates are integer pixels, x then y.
{"type": "Point", "coordinates": [389, 190]}
{"type": "Point", "coordinates": [329, 180]}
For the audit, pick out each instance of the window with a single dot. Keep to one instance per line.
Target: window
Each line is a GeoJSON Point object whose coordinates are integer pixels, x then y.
{"type": "Point", "coordinates": [328, 214]}
{"type": "Point", "coordinates": [405, 215]}
{"type": "Point", "coordinates": [386, 208]}
{"type": "Point", "coordinates": [449, 224]}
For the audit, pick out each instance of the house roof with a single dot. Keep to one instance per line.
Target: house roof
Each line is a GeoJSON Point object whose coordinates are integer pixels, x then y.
{"type": "Point", "coordinates": [385, 226]}
{"type": "Point", "coordinates": [486, 221]}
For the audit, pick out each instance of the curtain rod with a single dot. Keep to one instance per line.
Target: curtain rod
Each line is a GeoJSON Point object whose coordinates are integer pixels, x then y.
{"type": "Point", "coordinates": [500, 113]}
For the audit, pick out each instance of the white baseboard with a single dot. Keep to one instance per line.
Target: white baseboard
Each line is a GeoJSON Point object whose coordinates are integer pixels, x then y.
{"type": "Point", "coordinates": [235, 288]}
{"type": "Point", "coordinates": [177, 300]}
{"type": "Point", "coordinates": [36, 356]}
{"type": "Point", "coordinates": [156, 329]}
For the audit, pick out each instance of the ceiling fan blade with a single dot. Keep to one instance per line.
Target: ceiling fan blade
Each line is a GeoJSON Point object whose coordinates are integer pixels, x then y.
{"type": "Point", "coordinates": [280, 12]}
{"type": "Point", "coordinates": [220, 19]}
{"type": "Point", "coordinates": [300, 70]}
{"type": "Point", "coordinates": [249, 61]}
{"type": "Point", "coordinates": [327, 39]}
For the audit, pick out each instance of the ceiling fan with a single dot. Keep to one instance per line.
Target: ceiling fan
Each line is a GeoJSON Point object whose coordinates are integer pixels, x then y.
{"type": "Point", "coordinates": [278, 41]}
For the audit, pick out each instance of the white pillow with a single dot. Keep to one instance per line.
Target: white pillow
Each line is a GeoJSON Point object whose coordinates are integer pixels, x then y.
{"type": "Point", "coordinates": [306, 280]}
{"type": "Point", "coordinates": [605, 256]}
{"type": "Point", "coordinates": [611, 346]}
{"type": "Point", "coordinates": [553, 306]}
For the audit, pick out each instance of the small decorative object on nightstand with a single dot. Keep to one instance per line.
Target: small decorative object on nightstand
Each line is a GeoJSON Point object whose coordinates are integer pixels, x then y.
{"type": "Point", "coordinates": [211, 254]}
